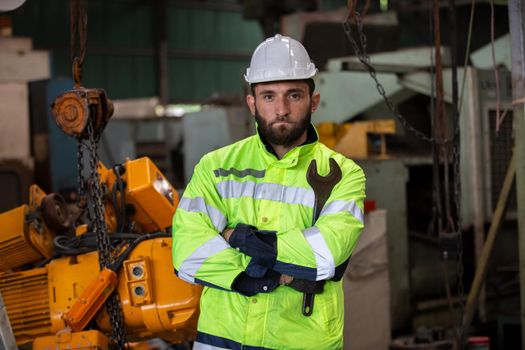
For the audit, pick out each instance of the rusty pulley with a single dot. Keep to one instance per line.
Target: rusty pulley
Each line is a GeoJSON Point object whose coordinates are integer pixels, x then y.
{"type": "Point", "coordinates": [74, 108]}
{"type": "Point", "coordinates": [55, 213]}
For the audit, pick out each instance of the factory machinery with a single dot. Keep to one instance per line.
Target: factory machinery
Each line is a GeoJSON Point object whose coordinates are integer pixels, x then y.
{"type": "Point", "coordinates": [60, 265]}
{"type": "Point", "coordinates": [50, 280]}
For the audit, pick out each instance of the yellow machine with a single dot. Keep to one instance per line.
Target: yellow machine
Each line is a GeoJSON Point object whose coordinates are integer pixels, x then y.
{"type": "Point", "coordinates": [58, 270]}
{"type": "Point", "coordinates": [24, 238]}
{"type": "Point", "coordinates": [358, 140]}
{"type": "Point", "coordinates": [43, 291]}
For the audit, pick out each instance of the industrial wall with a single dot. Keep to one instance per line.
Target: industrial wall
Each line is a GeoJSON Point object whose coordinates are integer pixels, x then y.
{"type": "Point", "coordinates": [209, 45]}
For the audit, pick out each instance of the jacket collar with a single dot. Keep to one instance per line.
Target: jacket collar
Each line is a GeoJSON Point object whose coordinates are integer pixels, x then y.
{"type": "Point", "coordinates": [290, 158]}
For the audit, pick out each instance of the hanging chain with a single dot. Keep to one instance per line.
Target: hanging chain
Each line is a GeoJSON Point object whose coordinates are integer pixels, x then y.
{"type": "Point", "coordinates": [117, 321]}
{"type": "Point", "coordinates": [456, 183]}
{"type": "Point", "coordinates": [95, 192]}
{"type": "Point", "coordinates": [77, 25]}
{"type": "Point", "coordinates": [78, 38]}
{"type": "Point", "coordinates": [81, 181]}
{"type": "Point", "coordinates": [459, 266]}
{"type": "Point", "coordinates": [103, 243]}
{"type": "Point", "coordinates": [364, 58]}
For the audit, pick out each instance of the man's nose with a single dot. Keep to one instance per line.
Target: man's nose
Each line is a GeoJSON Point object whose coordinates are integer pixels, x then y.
{"type": "Point", "coordinates": [282, 108]}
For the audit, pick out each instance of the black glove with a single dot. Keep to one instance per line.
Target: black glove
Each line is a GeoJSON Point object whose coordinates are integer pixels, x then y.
{"type": "Point", "coordinates": [308, 287]}
{"type": "Point", "coordinates": [260, 245]}
{"type": "Point", "coordinates": [254, 269]}
{"type": "Point", "coordinates": [340, 271]}
{"type": "Point", "coordinates": [249, 286]}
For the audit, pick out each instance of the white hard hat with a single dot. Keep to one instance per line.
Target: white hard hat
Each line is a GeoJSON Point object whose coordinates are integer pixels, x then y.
{"type": "Point", "coordinates": [279, 58]}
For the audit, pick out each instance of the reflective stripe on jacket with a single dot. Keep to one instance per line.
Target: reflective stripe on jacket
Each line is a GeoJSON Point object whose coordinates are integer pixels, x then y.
{"type": "Point", "coordinates": [244, 183]}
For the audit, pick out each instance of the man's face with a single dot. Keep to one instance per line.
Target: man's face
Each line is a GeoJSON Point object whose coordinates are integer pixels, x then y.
{"type": "Point", "coordinates": [283, 111]}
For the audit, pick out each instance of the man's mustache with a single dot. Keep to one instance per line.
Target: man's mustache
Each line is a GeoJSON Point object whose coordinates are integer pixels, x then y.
{"type": "Point", "coordinates": [281, 119]}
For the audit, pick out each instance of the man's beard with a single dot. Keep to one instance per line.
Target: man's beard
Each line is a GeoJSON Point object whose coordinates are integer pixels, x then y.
{"type": "Point", "coordinates": [282, 136]}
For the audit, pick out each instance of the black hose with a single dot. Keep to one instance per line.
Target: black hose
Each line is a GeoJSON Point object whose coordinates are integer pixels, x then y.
{"type": "Point", "coordinates": [122, 257]}
{"type": "Point", "coordinates": [87, 242]}
{"type": "Point", "coordinates": [70, 246]}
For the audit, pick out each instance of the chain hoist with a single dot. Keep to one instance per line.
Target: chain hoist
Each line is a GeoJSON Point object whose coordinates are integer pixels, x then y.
{"type": "Point", "coordinates": [83, 113]}
{"type": "Point", "coordinates": [455, 237]}
{"type": "Point", "coordinates": [364, 58]}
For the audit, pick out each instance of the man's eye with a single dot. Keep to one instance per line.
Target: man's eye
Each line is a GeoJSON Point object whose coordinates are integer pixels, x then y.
{"type": "Point", "coordinates": [295, 97]}
{"type": "Point", "coordinates": [267, 97]}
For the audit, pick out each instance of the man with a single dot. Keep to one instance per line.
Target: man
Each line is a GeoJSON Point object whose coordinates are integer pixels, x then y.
{"type": "Point", "coordinates": [246, 229]}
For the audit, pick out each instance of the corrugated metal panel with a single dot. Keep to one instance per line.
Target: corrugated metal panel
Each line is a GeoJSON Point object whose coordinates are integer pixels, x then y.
{"type": "Point", "coordinates": [122, 76]}
{"type": "Point", "coordinates": [199, 79]}
{"type": "Point", "coordinates": [120, 23]}
{"type": "Point", "coordinates": [42, 21]}
{"type": "Point", "coordinates": [209, 45]}
{"type": "Point", "coordinates": [214, 35]}
{"type": "Point", "coordinates": [190, 28]}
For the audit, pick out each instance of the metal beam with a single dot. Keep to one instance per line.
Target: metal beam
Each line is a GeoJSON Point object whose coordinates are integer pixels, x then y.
{"type": "Point", "coordinates": [418, 6]}
{"type": "Point", "coordinates": [207, 5]}
{"type": "Point", "coordinates": [517, 32]}
{"type": "Point", "coordinates": [211, 54]}
{"type": "Point", "coordinates": [211, 5]}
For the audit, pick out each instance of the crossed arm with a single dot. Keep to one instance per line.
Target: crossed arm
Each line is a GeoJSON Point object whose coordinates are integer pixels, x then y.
{"type": "Point", "coordinates": [283, 278]}
{"type": "Point", "coordinates": [208, 252]}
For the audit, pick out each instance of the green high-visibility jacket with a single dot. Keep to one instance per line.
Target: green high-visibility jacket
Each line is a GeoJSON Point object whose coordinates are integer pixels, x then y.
{"type": "Point", "coordinates": [245, 183]}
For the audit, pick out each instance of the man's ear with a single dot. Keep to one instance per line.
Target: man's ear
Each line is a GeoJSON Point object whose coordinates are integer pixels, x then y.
{"type": "Point", "coordinates": [250, 101]}
{"type": "Point", "coordinates": [316, 98]}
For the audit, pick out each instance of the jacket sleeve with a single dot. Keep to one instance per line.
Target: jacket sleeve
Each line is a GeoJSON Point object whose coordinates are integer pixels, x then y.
{"type": "Point", "coordinates": [322, 251]}
{"type": "Point", "coordinates": [200, 254]}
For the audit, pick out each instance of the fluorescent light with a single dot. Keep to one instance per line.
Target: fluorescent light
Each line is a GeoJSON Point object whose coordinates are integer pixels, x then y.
{"type": "Point", "coordinates": [177, 110]}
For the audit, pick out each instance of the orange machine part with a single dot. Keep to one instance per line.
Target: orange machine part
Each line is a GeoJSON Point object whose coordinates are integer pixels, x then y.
{"type": "Point", "coordinates": [153, 197]}
{"type": "Point", "coordinates": [16, 248]}
{"type": "Point", "coordinates": [26, 298]}
{"type": "Point", "coordinates": [91, 300]}
{"type": "Point", "coordinates": [155, 302]}
{"type": "Point", "coordinates": [39, 234]}
{"type": "Point", "coordinates": [24, 240]}
{"type": "Point", "coordinates": [88, 340]}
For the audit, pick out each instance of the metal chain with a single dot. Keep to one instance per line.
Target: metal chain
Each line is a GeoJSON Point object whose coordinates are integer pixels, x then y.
{"type": "Point", "coordinates": [77, 26]}
{"type": "Point", "coordinates": [117, 321]}
{"type": "Point", "coordinates": [78, 39]}
{"type": "Point", "coordinates": [81, 181]}
{"type": "Point", "coordinates": [459, 266]}
{"type": "Point", "coordinates": [456, 183]}
{"type": "Point", "coordinates": [103, 243]}
{"type": "Point", "coordinates": [364, 58]}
